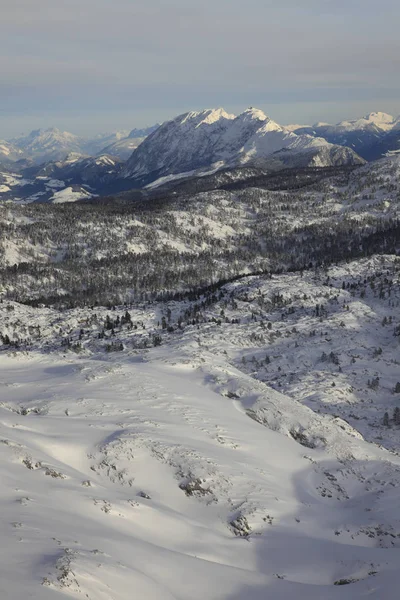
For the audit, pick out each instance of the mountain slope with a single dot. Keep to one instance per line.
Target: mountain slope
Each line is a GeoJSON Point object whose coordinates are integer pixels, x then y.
{"type": "Point", "coordinates": [213, 139]}
{"type": "Point", "coordinates": [94, 170]}
{"type": "Point", "coordinates": [182, 144]}
{"type": "Point", "coordinates": [176, 470]}
{"type": "Point", "coordinates": [389, 144]}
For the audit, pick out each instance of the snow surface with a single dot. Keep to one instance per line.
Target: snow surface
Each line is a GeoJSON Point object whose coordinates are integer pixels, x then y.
{"type": "Point", "coordinates": [13, 180]}
{"type": "Point", "coordinates": [175, 472]}
{"type": "Point", "coordinates": [5, 149]}
{"type": "Point", "coordinates": [70, 194]}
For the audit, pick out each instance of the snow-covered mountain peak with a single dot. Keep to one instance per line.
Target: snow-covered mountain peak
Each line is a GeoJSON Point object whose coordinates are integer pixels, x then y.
{"type": "Point", "coordinates": [207, 117]}
{"type": "Point", "coordinates": [373, 120]}
{"type": "Point", "coordinates": [35, 133]}
{"type": "Point", "coordinates": [51, 133]}
{"type": "Point", "coordinates": [380, 118]}
{"type": "Point", "coordinates": [256, 118]}
{"type": "Point", "coordinates": [50, 130]}
{"type": "Point", "coordinates": [253, 113]}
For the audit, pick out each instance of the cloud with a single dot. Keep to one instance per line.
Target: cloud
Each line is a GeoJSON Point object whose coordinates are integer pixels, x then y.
{"type": "Point", "coordinates": [90, 52]}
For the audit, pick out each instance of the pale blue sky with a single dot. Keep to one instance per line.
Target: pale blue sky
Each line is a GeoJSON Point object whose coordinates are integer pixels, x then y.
{"type": "Point", "coordinates": [98, 65]}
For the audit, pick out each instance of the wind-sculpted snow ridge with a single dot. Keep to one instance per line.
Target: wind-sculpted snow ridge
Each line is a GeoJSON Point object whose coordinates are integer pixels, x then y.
{"type": "Point", "coordinates": [197, 447]}
{"type": "Point", "coordinates": [213, 138]}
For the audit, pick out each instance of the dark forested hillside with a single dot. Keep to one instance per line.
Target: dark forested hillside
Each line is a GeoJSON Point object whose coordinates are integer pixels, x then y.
{"type": "Point", "coordinates": [117, 251]}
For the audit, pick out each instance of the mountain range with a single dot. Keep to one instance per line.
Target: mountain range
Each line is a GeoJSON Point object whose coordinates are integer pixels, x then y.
{"type": "Point", "coordinates": [44, 145]}
{"type": "Point", "coordinates": [213, 139]}
{"type": "Point", "coordinates": [240, 139]}
{"type": "Point", "coordinates": [372, 136]}
{"type": "Point", "coordinates": [192, 144]}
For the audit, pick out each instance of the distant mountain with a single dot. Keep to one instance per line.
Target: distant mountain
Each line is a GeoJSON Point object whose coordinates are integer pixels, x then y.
{"type": "Point", "coordinates": [370, 136]}
{"type": "Point", "coordinates": [378, 120]}
{"type": "Point", "coordinates": [214, 139]}
{"type": "Point", "coordinates": [144, 132]}
{"type": "Point", "coordinates": [294, 127]}
{"type": "Point", "coordinates": [9, 152]}
{"type": "Point", "coordinates": [44, 145]}
{"type": "Point", "coordinates": [96, 145]}
{"type": "Point", "coordinates": [123, 147]}
{"type": "Point", "coordinates": [48, 144]}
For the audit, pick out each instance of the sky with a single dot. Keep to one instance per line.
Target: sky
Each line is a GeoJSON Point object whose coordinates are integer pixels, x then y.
{"type": "Point", "coordinates": [91, 66]}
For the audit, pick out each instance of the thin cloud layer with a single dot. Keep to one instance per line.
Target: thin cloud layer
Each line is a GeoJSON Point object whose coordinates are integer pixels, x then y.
{"type": "Point", "coordinates": [77, 56]}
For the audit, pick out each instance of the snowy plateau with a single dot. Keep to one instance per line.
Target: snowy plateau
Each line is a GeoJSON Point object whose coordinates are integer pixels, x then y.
{"type": "Point", "coordinates": [200, 380]}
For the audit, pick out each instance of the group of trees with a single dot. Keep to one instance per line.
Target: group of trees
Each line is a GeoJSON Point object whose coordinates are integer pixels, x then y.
{"type": "Point", "coordinates": [88, 254]}
{"type": "Point", "coordinates": [396, 416]}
